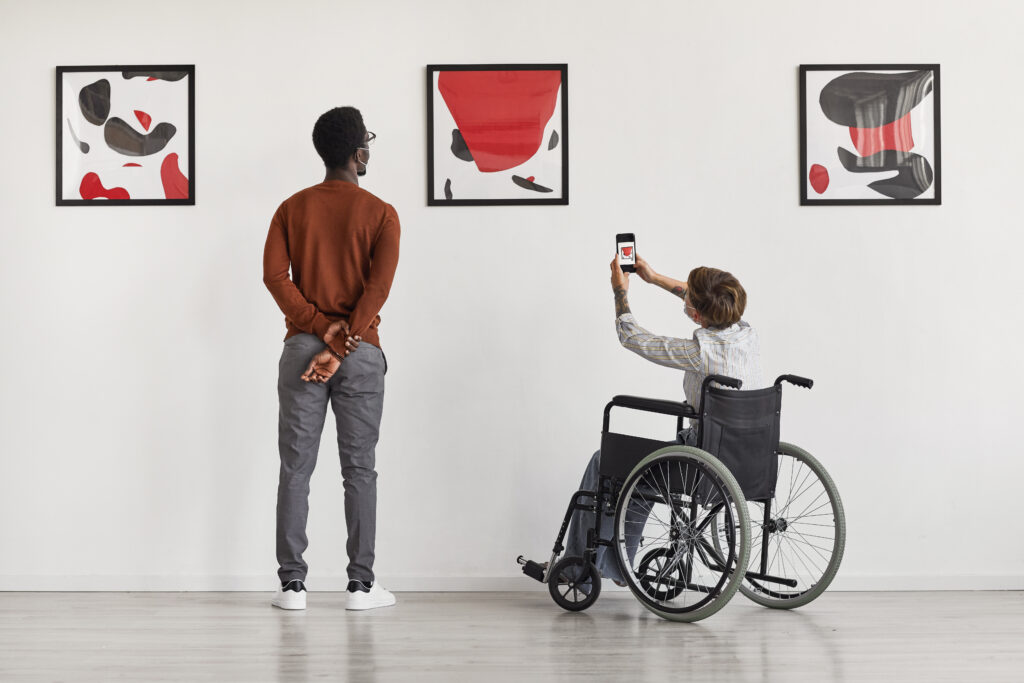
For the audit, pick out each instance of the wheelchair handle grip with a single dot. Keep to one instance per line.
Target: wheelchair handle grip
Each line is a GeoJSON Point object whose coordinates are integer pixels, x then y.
{"type": "Point", "coordinates": [730, 382]}
{"type": "Point", "coordinates": [795, 379]}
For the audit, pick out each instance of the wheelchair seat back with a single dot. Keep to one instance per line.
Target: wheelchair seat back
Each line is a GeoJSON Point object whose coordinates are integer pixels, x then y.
{"type": "Point", "coordinates": [741, 428]}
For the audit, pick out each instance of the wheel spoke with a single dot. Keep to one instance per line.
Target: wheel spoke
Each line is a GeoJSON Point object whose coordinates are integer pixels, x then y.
{"type": "Point", "coordinates": [810, 511]}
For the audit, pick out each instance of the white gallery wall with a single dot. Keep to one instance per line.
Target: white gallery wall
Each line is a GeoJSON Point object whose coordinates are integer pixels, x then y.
{"type": "Point", "coordinates": [138, 360]}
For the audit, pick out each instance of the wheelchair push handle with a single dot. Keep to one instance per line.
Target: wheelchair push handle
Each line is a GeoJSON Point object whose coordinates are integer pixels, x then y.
{"type": "Point", "coordinates": [730, 382]}
{"type": "Point", "coordinates": [794, 379]}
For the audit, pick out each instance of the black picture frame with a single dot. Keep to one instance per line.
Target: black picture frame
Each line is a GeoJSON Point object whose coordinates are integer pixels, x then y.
{"type": "Point", "coordinates": [138, 71]}
{"type": "Point", "coordinates": [562, 141]}
{"type": "Point", "coordinates": [935, 163]}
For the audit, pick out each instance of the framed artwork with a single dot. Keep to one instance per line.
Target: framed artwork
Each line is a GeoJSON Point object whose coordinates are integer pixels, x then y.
{"type": "Point", "coordinates": [497, 134]}
{"type": "Point", "coordinates": [869, 134]}
{"type": "Point", "coordinates": [125, 135]}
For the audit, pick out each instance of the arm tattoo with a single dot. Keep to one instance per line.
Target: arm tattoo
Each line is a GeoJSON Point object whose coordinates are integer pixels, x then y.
{"type": "Point", "coordinates": [679, 291]}
{"type": "Point", "coordinates": [621, 303]}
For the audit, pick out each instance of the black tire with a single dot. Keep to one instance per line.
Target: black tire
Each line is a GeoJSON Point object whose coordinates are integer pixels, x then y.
{"type": "Point", "coordinates": [678, 491]}
{"type": "Point", "coordinates": [574, 583]}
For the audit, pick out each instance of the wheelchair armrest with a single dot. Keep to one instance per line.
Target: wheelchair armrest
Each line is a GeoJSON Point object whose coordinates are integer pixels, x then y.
{"type": "Point", "coordinates": [793, 379]}
{"type": "Point", "coordinates": [652, 405]}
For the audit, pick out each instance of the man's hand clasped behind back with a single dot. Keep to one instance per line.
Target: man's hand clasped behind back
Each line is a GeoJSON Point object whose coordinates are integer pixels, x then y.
{"type": "Point", "coordinates": [326, 363]}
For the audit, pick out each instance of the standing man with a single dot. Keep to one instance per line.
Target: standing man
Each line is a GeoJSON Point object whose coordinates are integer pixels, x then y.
{"type": "Point", "coordinates": [341, 243]}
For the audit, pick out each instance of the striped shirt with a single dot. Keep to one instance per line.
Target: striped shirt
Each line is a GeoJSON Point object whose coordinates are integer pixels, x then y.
{"type": "Point", "coordinates": [734, 351]}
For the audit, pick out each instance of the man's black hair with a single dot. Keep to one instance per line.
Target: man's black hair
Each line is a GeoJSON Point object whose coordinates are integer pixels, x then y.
{"type": "Point", "coordinates": [337, 134]}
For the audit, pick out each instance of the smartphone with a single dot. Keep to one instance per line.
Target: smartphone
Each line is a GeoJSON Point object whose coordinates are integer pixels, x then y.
{"type": "Point", "coordinates": [625, 246]}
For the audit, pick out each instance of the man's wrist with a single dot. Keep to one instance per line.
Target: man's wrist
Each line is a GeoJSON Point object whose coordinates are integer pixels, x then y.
{"type": "Point", "coordinates": [320, 325]}
{"type": "Point", "coordinates": [335, 353]}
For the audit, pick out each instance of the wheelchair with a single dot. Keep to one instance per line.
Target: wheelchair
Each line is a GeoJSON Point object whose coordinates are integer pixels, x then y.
{"type": "Point", "coordinates": [691, 526]}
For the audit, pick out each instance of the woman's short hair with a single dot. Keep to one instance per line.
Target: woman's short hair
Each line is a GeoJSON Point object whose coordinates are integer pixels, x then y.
{"type": "Point", "coordinates": [717, 295]}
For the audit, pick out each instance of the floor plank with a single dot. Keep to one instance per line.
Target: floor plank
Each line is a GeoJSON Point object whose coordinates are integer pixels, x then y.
{"type": "Point", "coordinates": [878, 637]}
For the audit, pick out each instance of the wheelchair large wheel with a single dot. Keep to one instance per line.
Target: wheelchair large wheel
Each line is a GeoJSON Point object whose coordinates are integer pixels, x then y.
{"type": "Point", "coordinates": [574, 583]}
{"type": "Point", "coordinates": [667, 506]}
{"type": "Point", "coordinates": [804, 538]}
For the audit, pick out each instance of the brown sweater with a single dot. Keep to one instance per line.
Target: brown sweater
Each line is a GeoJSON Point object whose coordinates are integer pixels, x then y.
{"type": "Point", "coordinates": [342, 245]}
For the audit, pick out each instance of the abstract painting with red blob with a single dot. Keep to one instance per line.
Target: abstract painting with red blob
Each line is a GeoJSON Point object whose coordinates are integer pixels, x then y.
{"type": "Point", "coordinates": [497, 134]}
{"type": "Point", "coordinates": [125, 135]}
{"type": "Point", "coordinates": [869, 134]}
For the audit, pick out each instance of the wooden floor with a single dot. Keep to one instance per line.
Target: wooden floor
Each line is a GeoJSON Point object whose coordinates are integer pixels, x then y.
{"type": "Point", "coordinates": [523, 637]}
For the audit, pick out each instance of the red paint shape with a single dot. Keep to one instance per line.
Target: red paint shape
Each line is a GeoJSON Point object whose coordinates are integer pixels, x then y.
{"type": "Point", "coordinates": [532, 178]}
{"type": "Point", "coordinates": [819, 178]}
{"type": "Point", "coordinates": [175, 183]}
{"type": "Point", "coordinates": [127, 165]}
{"type": "Point", "coordinates": [501, 114]}
{"type": "Point", "coordinates": [144, 118]}
{"type": "Point", "coordinates": [627, 251]}
{"type": "Point", "coordinates": [92, 187]}
{"type": "Point", "coordinates": [151, 78]}
{"type": "Point", "coordinates": [896, 135]}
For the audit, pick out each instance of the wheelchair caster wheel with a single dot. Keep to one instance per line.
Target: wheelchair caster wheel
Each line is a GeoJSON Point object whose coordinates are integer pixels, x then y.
{"type": "Point", "coordinates": [574, 583]}
{"type": "Point", "coordinates": [661, 575]}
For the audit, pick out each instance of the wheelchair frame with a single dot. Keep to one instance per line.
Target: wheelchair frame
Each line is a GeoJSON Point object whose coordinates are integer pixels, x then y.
{"type": "Point", "coordinates": [621, 453]}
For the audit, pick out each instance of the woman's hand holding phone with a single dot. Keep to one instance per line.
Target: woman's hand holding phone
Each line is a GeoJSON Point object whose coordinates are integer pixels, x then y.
{"type": "Point", "coordinates": [644, 270]}
{"type": "Point", "coordinates": [620, 279]}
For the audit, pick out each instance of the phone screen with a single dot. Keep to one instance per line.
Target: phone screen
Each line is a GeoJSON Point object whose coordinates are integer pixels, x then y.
{"type": "Point", "coordinates": [625, 245]}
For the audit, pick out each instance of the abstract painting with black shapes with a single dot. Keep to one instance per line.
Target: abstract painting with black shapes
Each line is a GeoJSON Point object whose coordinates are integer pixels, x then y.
{"type": "Point", "coordinates": [496, 134]}
{"type": "Point", "coordinates": [869, 134]}
{"type": "Point", "coordinates": [125, 135]}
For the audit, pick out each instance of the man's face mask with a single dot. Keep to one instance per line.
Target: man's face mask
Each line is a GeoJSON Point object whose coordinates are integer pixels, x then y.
{"type": "Point", "coordinates": [362, 171]}
{"type": "Point", "coordinates": [370, 137]}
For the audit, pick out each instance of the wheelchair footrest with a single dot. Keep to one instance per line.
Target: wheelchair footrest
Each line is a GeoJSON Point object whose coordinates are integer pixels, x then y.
{"type": "Point", "coordinates": [792, 583]}
{"type": "Point", "coordinates": [532, 569]}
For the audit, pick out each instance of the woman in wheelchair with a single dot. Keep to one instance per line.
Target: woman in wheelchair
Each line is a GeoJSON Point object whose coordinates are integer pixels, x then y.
{"type": "Point", "coordinates": [723, 344]}
{"type": "Point", "coordinates": [728, 506]}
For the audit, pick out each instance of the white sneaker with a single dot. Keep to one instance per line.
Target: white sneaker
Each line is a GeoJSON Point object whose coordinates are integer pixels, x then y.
{"type": "Point", "coordinates": [360, 597]}
{"type": "Point", "coordinates": [292, 595]}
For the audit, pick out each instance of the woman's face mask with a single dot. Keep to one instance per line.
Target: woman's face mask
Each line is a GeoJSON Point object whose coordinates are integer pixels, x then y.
{"type": "Point", "coordinates": [687, 308]}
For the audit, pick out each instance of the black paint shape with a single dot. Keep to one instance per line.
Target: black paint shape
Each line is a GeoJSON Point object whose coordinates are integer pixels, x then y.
{"type": "Point", "coordinates": [123, 138]}
{"type": "Point", "coordinates": [915, 173]}
{"type": "Point", "coordinates": [554, 140]}
{"type": "Point", "coordinates": [83, 146]}
{"type": "Point", "coordinates": [459, 147]}
{"type": "Point", "coordinates": [448, 188]}
{"type": "Point", "coordinates": [94, 101]}
{"type": "Point", "coordinates": [530, 185]}
{"type": "Point", "coordinates": [866, 100]}
{"type": "Point", "coordinates": [160, 75]}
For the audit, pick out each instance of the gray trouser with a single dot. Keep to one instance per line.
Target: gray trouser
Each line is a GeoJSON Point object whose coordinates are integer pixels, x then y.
{"type": "Point", "coordinates": [356, 394]}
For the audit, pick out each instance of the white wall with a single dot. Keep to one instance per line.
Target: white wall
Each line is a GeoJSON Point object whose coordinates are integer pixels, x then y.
{"type": "Point", "coordinates": [139, 348]}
